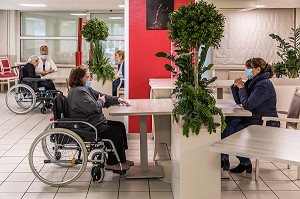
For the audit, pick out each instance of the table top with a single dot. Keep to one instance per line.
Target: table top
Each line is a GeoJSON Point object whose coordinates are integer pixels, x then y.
{"type": "Point", "coordinates": [143, 107]}
{"type": "Point", "coordinates": [264, 143]}
{"type": "Point", "coordinates": [165, 106]}
{"type": "Point", "coordinates": [232, 109]}
{"type": "Point", "coordinates": [61, 73]}
{"type": "Point", "coordinates": [162, 83]}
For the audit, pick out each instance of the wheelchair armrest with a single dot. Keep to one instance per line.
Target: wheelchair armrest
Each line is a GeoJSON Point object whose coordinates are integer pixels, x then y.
{"type": "Point", "coordinates": [72, 121]}
{"type": "Point", "coordinates": [29, 79]}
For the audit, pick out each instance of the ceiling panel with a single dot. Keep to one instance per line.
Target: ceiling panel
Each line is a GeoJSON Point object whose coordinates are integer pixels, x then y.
{"type": "Point", "coordinates": [62, 5]}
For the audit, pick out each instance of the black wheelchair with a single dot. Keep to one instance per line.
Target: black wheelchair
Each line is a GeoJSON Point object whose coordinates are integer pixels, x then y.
{"type": "Point", "coordinates": [60, 154]}
{"type": "Point", "coordinates": [26, 95]}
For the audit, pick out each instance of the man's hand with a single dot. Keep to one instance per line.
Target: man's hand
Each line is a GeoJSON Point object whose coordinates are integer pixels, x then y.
{"type": "Point", "coordinates": [123, 101]}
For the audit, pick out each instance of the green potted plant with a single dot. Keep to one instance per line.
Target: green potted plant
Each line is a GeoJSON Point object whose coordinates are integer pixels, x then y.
{"type": "Point", "coordinates": [95, 31]}
{"type": "Point", "coordinates": [193, 28]}
{"type": "Point", "coordinates": [289, 54]}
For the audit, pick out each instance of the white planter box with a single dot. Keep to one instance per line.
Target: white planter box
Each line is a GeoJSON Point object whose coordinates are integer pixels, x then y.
{"type": "Point", "coordinates": [196, 171]}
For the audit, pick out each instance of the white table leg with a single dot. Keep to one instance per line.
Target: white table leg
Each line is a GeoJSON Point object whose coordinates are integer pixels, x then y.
{"type": "Point", "coordinates": [145, 170]}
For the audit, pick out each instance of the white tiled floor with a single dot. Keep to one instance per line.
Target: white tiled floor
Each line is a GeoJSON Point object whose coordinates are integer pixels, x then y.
{"type": "Point", "coordinates": [16, 180]}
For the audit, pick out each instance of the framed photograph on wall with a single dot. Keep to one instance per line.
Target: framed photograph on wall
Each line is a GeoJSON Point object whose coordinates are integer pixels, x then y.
{"type": "Point", "coordinates": [157, 14]}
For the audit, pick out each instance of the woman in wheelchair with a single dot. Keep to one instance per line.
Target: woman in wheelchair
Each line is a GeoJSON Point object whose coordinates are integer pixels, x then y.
{"type": "Point", "coordinates": [85, 102]}
{"type": "Point", "coordinates": [29, 71]}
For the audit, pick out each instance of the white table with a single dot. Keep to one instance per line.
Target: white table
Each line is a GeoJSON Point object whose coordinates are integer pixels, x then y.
{"type": "Point", "coordinates": [220, 85]}
{"type": "Point", "coordinates": [142, 108]}
{"type": "Point", "coordinates": [165, 85]}
{"type": "Point", "coordinates": [157, 107]}
{"type": "Point", "coordinates": [263, 143]}
{"type": "Point", "coordinates": [60, 75]}
{"type": "Point", "coordinates": [161, 88]}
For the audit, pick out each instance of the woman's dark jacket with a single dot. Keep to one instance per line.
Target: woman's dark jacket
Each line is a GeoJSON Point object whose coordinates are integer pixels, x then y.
{"type": "Point", "coordinates": [259, 97]}
{"type": "Point", "coordinates": [84, 104]}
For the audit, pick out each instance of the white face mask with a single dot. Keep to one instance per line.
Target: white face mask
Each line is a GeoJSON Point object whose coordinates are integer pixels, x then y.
{"type": "Point", "coordinates": [43, 57]}
{"type": "Point", "coordinates": [249, 73]}
{"type": "Point", "coordinates": [88, 84]}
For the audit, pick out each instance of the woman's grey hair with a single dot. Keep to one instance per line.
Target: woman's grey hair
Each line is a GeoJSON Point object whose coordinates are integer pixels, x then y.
{"type": "Point", "coordinates": [32, 59]}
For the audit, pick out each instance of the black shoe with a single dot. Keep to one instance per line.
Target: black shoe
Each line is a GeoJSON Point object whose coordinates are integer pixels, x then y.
{"type": "Point", "coordinates": [225, 165]}
{"type": "Point", "coordinates": [241, 168]}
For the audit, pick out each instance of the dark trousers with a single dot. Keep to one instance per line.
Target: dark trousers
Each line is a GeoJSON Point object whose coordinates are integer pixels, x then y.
{"type": "Point", "coordinates": [48, 84]}
{"type": "Point", "coordinates": [115, 86]}
{"type": "Point", "coordinates": [233, 125]}
{"type": "Point", "coordinates": [116, 132]}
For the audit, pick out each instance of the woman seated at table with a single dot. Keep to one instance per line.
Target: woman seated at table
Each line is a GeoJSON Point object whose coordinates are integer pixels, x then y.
{"type": "Point", "coordinates": [119, 58]}
{"type": "Point", "coordinates": [87, 103]}
{"type": "Point", "coordinates": [29, 71]}
{"type": "Point", "coordinates": [46, 64]}
{"type": "Point", "coordinates": [257, 95]}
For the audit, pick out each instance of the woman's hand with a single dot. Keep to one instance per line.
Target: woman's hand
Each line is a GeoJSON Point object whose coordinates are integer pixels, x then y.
{"type": "Point", "coordinates": [102, 98]}
{"type": "Point", "coordinates": [238, 82]}
{"type": "Point", "coordinates": [123, 101]}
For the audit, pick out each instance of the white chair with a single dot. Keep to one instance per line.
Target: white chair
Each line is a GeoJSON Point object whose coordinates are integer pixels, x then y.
{"type": "Point", "coordinates": [292, 120]}
{"type": "Point", "coordinates": [120, 91]}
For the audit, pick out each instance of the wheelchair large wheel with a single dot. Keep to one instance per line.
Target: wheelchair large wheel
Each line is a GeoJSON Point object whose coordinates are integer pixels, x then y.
{"type": "Point", "coordinates": [20, 99]}
{"type": "Point", "coordinates": [64, 159]}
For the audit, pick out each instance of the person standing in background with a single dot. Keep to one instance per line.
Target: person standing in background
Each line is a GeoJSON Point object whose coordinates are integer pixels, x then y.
{"type": "Point", "coordinates": [119, 58]}
{"type": "Point", "coordinates": [46, 64]}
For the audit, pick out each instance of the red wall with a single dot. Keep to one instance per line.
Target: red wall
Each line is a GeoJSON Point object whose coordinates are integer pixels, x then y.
{"type": "Point", "coordinates": [143, 45]}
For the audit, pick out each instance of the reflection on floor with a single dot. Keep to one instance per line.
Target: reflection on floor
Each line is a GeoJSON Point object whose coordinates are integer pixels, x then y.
{"type": "Point", "coordinates": [16, 180]}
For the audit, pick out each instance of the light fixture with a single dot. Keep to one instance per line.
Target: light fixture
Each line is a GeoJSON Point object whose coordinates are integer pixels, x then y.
{"type": "Point", "coordinates": [121, 6]}
{"type": "Point", "coordinates": [115, 17]}
{"type": "Point", "coordinates": [260, 6]}
{"type": "Point", "coordinates": [78, 14]}
{"type": "Point", "coordinates": [32, 5]}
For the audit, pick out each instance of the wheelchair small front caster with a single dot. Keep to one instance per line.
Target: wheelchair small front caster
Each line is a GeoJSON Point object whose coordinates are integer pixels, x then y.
{"type": "Point", "coordinates": [43, 110]}
{"type": "Point", "coordinates": [97, 173]}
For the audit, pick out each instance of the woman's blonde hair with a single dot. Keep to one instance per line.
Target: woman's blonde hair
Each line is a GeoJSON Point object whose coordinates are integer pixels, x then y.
{"type": "Point", "coordinates": [44, 48]}
{"type": "Point", "coordinates": [121, 53]}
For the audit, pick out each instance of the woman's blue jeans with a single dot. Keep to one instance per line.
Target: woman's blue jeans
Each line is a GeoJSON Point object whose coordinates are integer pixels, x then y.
{"type": "Point", "coordinates": [233, 125]}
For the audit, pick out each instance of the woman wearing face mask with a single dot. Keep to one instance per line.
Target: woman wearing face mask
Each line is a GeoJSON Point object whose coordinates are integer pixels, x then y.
{"type": "Point", "coordinates": [46, 64]}
{"type": "Point", "coordinates": [257, 95]}
{"type": "Point", "coordinates": [29, 70]}
{"type": "Point", "coordinates": [87, 103]}
{"type": "Point", "coordinates": [119, 58]}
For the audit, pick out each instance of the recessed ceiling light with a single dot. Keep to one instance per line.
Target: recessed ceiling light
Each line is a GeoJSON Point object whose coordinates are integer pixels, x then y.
{"type": "Point", "coordinates": [79, 14]}
{"type": "Point", "coordinates": [260, 6]}
{"type": "Point", "coordinates": [121, 6]}
{"type": "Point", "coordinates": [32, 5]}
{"type": "Point", "coordinates": [115, 17]}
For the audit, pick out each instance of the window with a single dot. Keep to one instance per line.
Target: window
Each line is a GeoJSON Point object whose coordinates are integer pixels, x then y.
{"type": "Point", "coordinates": [115, 40]}
{"type": "Point", "coordinates": [56, 29]}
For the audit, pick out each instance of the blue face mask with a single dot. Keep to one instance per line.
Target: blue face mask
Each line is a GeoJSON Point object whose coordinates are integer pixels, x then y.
{"type": "Point", "coordinates": [88, 84]}
{"type": "Point", "coordinates": [43, 57]}
{"type": "Point", "coordinates": [119, 61]}
{"type": "Point", "coordinates": [249, 73]}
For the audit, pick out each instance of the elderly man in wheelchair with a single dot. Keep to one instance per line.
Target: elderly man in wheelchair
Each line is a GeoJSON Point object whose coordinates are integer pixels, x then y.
{"type": "Point", "coordinates": [32, 91]}
{"type": "Point", "coordinates": [60, 154]}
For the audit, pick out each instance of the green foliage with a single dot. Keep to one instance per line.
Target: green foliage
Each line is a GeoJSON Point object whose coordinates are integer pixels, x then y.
{"type": "Point", "coordinates": [289, 54]}
{"type": "Point", "coordinates": [197, 25]}
{"type": "Point", "coordinates": [99, 64]}
{"type": "Point", "coordinates": [95, 30]}
{"type": "Point", "coordinates": [197, 107]}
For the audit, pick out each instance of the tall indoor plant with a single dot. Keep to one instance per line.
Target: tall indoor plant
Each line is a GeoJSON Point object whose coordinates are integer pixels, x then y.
{"type": "Point", "coordinates": [194, 29]}
{"type": "Point", "coordinates": [95, 31]}
{"type": "Point", "coordinates": [289, 54]}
